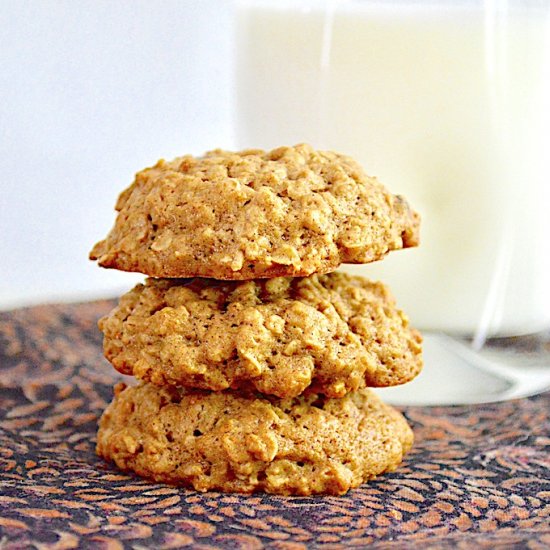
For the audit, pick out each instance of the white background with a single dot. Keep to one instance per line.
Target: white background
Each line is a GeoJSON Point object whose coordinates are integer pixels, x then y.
{"type": "Point", "coordinates": [91, 92]}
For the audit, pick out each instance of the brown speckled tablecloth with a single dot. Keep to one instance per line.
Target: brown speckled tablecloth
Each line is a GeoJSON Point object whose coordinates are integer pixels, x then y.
{"type": "Point", "coordinates": [478, 476]}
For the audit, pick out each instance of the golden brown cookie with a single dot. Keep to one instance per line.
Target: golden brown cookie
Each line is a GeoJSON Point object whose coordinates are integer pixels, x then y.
{"type": "Point", "coordinates": [280, 336]}
{"type": "Point", "coordinates": [243, 443]}
{"type": "Point", "coordinates": [288, 212]}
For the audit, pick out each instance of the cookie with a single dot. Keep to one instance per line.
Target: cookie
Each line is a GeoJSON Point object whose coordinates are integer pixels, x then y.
{"type": "Point", "coordinates": [331, 333]}
{"type": "Point", "coordinates": [243, 443]}
{"type": "Point", "coordinates": [288, 212]}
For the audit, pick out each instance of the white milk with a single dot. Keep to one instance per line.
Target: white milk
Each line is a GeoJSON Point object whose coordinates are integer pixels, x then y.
{"type": "Point", "coordinates": [448, 106]}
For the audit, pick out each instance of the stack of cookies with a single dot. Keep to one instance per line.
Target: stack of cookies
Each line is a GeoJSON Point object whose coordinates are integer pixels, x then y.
{"type": "Point", "coordinates": [253, 357]}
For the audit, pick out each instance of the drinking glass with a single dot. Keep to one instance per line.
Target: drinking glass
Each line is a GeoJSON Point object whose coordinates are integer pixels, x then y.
{"type": "Point", "coordinates": [447, 103]}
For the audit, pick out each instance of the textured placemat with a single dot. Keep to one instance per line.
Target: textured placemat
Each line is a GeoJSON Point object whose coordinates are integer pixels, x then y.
{"type": "Point", "coordinates": [478, 475]}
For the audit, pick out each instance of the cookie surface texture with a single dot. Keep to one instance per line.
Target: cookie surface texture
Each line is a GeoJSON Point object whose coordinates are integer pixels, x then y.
{"type": "Point", "coordinates": [330, 334]}
{"type": "Point", "coordinates": [229, 442]}
{"type": "Point", "coordinates": [288, 212]}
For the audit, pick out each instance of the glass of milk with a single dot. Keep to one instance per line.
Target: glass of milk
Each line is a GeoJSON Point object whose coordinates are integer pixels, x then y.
{"type": "Point", "coordinates": [447, 103]}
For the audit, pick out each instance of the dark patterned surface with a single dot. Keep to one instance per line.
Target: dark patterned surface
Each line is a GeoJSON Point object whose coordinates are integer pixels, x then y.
{"type": "Point", "coordinates": [477, 476]}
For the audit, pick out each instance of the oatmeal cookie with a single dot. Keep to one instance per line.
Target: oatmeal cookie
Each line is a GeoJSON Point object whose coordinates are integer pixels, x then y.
{"type": "Point", "coordinates": [330, 333]}
{"type": "Point", "coordinates": [243, 443]}
{"type": "Point", "coordinates": [288, 212]}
